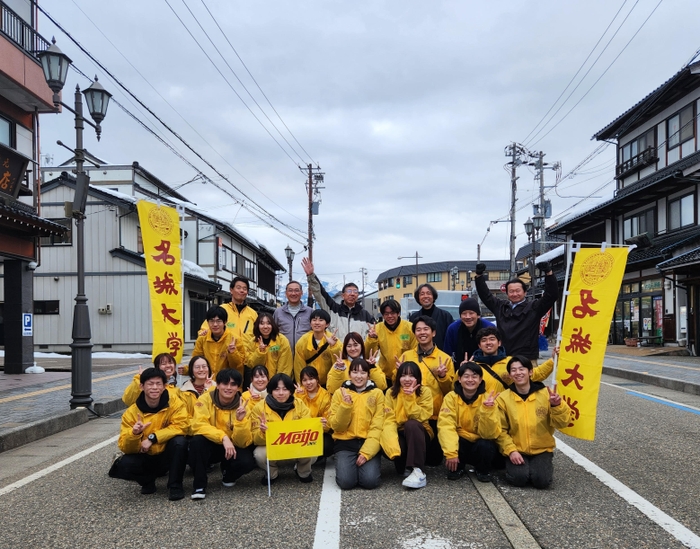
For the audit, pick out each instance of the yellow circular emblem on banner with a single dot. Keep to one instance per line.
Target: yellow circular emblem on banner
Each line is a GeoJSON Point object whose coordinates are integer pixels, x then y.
{"type": "Point", "coordinates": [160, 221]}
{"type": "Point", "coordinates": [597, 268]}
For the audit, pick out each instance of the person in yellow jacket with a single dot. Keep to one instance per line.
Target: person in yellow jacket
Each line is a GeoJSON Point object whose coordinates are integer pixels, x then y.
{"type": "Point", "coordinates": [406, 433]}
{"type": "Point", "coordinates": [468, 424]}
{"type": "Point", "coordinates": [163, 362]}
{"type": "Point", "coordinates": [317, 347]}
{"type": "Point", "coordinates": [318, 401]}
{"type": "Point", "coordinates": [258, 387]}
{"type": "Point", "coordinates": [279, 405]}
{"type": "Point", "coordinates": [222, 434]}
{"type": "Point", "coordinates": [392, 337]}
{"type": "Point", "coordinates": [492, 357]}
{"type": "Point", "coordinates": [269, 347]}
{"type": "Point", "coordinates": [152, 438]}
{"type": "Point", "coordinates": [240, 317]}
{"type": "Point", "coordinates": [437, 371]}
{"type": "Point", "coordinates": [353, 347]}
{"type": "Point", "coordinates": [357, 420]}
{"type": "Point", "coordinates": [529, 412]}
{"type": "Point", "coordinates": [220, 346]}
{"type": "Point", "coordinates": [198, 383]}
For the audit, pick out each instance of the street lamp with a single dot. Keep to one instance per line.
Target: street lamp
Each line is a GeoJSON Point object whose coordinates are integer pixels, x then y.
{"type": "Point", "coordinates": [55, 64]}
{"type": "Point", "coordinates": [411, 257]}
{"type": "Point", "coordinates": [290, 258]}
{"type": "Point", "coordinates": [454, 271]}
{"type": "Point", "coordinates": [538, 224]}
{"type": "Point", "coordinates": [530, 231]}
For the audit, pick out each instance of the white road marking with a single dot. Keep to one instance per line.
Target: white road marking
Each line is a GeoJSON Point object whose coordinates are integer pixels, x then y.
{"type": "Point", "coordinates": [628, 390]}
{"type": "Point", "coordinates": [672, 526]}
{"type": "Point", "coordinates": [39, 474]}
{"type": "Point", "coordinates": [328, 523]}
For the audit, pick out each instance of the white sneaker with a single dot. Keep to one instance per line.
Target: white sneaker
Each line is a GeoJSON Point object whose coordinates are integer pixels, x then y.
{"type": "Point", "coordinates": [415, 480]}
{"type": "Point", "coordinates": [198, 494]}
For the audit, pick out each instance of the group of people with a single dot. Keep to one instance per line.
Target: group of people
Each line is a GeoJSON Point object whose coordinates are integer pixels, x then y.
{"type": "Point", "coordinates": [419, 391]}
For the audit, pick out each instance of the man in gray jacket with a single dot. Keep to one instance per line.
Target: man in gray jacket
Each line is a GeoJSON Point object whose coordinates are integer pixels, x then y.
{"type": "Point", "coordinates": [293, 317]}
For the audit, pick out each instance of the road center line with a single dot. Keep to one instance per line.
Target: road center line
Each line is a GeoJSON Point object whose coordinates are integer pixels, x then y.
{"type": "Point", "coordinates": [328, 522]}
{"type": "Point", "coordinates": [671, 525]}
{"type": "Point", "coordinates": [660, 400]}
{"type": "Point", "coordinates": [39, 474]}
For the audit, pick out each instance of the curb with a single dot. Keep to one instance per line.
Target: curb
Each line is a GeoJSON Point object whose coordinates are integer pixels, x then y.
{"type": "Point", "coordinates": [42, 428]}
{"type": "Point", "coordinates": [109, 407]}
{"type": "Point", "coordinates": [673, 384]}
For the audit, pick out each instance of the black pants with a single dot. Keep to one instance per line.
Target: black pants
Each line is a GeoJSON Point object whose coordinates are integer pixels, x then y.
{"type": "Point", "coordinates": [204, 452]}
{"type": "Point", "coordinates": [434, 454]}
{"type": "Point", "coordinates": [413, 441]}
{"type": "Point", "coordinates": [538, 469]}
{"type": "Point", "coordinates": [145, 468]}
{"type": "Point", "coordinates": [480, 454]}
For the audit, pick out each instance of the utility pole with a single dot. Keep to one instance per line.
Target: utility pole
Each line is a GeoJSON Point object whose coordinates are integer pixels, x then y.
{"type": "Point", "coordinates": [363, 273]}
{"type": "Point", "coordinates": [541, 166]}
{"type": "Point", "coordinates": [514, 150]}
{"type": "Point", "coordinates": [316, 177]}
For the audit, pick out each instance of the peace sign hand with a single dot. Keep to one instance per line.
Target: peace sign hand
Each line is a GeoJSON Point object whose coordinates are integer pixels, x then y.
{"type": "Point", "coordinates": [397, 361]}
{"type": "Point", "coordinates": [339, 363]}
{"type": "Point", "coordinates": [371, 332]}
{"type": "Point", "coordinates": [263, 422]}
{"type": "Point", "coordinates": [261, 345]}
{"type": "Point", "coordinates": [332, 340]}
{"type": "Point", "coordinates": [346, 396]}
{"type": "Point", "coordinates": [441, 371]}
{"type": "Point", "coordinates": [241, 410]}
{"type": "Point", "coordinates": [298, 390]}
{"type": "Point", "coordinates": [232, 345]}
{"type": "Point", "coordinates": [554, 398]}
{"type": "Point", "coordinates": [490, 400]}
{"type": "Point", "coordinates": [372, 358]}
{"type": "Point", "coordinates": [412, 389]}
{"type": "Point", "coordinates": [139, 426]}
{"type": "Point", "coordinates": [209, 382]}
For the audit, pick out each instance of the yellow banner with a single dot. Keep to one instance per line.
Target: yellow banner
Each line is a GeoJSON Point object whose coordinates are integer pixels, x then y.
{"type": "Point", "coordinates": [595, 283]}
{"type": "Point", "coordinates": [300, 438]}
{"type": "Point", "coordinates": [160, 231]}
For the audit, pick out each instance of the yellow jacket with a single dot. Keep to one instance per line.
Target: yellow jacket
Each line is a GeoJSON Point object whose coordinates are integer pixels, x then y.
{"type": "Point", "coordinates": [214, 423]}
{"type": "Point", "coordinates": [391, 344]}
{"type": "Point", "coordinates": [277, 356]}
{"type": "Point", "coordinates": [363, 419]}
{"type": "Point", "coordinates": [189, 395]}
{"type": "Point", "coordinates": [300, 411]}
{"type": "Point", "coordinates": [539, 373]}
{"type": "Point", "coordinates": [319, 406]}
{"type": "Point", "coordinates": [238, 324]}
{"type": "Point", "coordinates": [169, 419]}
{"type": "Point", "coordinates": [397, 411]}
{"type": "Point", "coordinates": [305, 349]}
{"type": "Point", "coordinates": [468, 421]}
{"type": "Point", "coordinates": [527, 426]}
{"type": "Point", "coordinates": [133, 390]}
{"type": "Point", "coordinates": [438, 387]}
{"type": "Point", "coordinates": [216, 352]}
{"type": "Point", "coordinates": [337, 377]}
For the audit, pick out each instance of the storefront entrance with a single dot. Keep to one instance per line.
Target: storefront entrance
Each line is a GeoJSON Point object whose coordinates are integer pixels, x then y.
{"type": "Point", "coordinates": [639, 311]}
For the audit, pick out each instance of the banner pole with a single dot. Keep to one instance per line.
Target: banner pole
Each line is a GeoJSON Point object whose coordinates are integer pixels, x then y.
{"type": "Point", "coordinates": [570, 247]}
{"type": "Point", "coordinates": [269, 482]}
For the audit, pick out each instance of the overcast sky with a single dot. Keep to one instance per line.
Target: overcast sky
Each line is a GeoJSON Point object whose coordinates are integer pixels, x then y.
{"type": "Point", "coordinates": [406, 106]}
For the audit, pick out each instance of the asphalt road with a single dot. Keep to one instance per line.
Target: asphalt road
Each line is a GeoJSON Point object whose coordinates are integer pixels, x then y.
{"type": "Point", "coordinates": [648, 445]}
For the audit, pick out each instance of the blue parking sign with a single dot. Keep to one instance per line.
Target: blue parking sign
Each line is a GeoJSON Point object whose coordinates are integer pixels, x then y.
{"type": "Point", "coordinates": [27, 324]}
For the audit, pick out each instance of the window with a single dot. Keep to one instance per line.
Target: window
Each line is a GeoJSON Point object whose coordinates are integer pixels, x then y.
{"type": "Point", "coordinates": [46, 307]}
{"type": "Point", "coordinates": [639, 224]}
{"type": "Point", "coordinates": [56, 239]}
{"type": "Point", "coordinates": [636, 146]}
{"type": "Point", "coordinates": [681, 127]}
{"type": "Point", "coordinates": [249, 270]}
{"type": "Point", "coordinates": [139, 241]}
{"type": "Point", "coordinates": [5, 132]}
{"type": "Point", "coordinates": [434, 277]}
{"type": "Point", "coordinates": [407, 280]}
{"type": "Point", "coordinates": [408, 295]}
{"type": "Point", "coordinates": [681, 212]}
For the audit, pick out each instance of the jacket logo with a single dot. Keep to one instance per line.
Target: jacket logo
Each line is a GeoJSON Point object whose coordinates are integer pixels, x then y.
{"type": "Point", "coordinates": [304, 438]}
{"type": "Point", "coordinates": [371, 401]}
{"type": "Point", "coordinates": [541, 411]}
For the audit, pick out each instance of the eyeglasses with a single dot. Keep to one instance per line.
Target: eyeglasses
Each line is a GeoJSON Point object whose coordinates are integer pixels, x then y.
{"type": "Point", "coordinates": [351, 291]}
{"type": "Point", "coordinates": [215, 321]}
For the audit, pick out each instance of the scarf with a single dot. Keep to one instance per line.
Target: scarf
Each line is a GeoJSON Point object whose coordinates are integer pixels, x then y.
{"type": "Point", "coordinates": [280, 407]}
{"type": "Point", "coordinates": [422, 354]}
{"type": "Point", "coordinates": [480, 390]}
{"type": "Point", "coordinates": [231, 406]}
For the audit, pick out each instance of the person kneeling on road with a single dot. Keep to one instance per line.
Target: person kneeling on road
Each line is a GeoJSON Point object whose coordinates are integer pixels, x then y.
{"type": "Point", "coordinates": [469, 424]}
{"type": "Point", "coordinates": [152, 438]}
{"type": "Point", "coordinates": [222, 434]}
{"type": "Point", "coordinates": [529, 414]}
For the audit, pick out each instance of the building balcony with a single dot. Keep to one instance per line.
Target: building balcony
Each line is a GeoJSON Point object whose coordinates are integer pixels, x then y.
{"type": "Point", "coordinates": [21, 77]}
{"type": "Point", "coordinates": [645, 158]}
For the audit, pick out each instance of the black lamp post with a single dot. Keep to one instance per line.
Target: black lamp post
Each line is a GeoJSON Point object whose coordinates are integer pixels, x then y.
{"type": "Point", "coordinates": [454, 271]}
{"type": "Point", "coordinates": [290, 259]}
{"type": "Point", "coordinates": [55, 64]}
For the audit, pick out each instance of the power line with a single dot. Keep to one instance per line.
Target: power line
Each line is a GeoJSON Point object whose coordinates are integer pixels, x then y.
{"type": "Point", "coordinates": [250, 205]}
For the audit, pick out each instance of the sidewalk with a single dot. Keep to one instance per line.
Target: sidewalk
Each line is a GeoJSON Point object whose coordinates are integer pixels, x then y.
{"type": "Point", "coordinates": [33, 406]}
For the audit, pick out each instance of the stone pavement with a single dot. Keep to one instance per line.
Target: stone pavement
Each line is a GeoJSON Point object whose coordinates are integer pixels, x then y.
{"type": "Point", "coordinates": [33, 406]}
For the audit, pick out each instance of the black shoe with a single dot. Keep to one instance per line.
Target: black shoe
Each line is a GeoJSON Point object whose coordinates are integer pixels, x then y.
{"type": "Point", "coordinates": [455, 475]}
{"type": "Point", "coordinates": [263, 480]}
{"type": "Point", "coordinates": [149, 488]}
{"type": "Point", "coordinates": [483, 477]}
{"type": "Point", "coordinates": [305, 480]}
{"type": "Point", "coordinates": [176, 494]}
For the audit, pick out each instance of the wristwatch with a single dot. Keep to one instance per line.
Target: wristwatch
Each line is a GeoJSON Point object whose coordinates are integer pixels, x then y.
{"type": "Point", "coordinates": [152, 437]}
